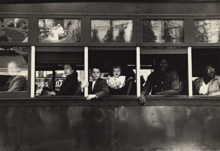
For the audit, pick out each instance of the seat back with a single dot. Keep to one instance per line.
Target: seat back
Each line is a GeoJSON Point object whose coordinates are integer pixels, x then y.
{"type": "Point", "coordinates": [78, 88]}
{"type": "Point", "coordinates": [129, 87]}
{"type": "Point", "coordinates": [181, 88]}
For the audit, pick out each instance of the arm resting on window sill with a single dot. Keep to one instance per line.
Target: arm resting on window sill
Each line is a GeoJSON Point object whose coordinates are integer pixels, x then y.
{"type": "Point", "coordinates": [215, 94]}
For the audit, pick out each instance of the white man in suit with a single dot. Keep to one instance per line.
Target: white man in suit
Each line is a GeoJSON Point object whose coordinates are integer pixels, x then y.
{"type": "Point", "coordinates": [16, 82]}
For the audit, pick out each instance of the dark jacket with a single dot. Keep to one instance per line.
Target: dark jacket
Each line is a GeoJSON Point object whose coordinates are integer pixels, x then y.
{"type": "Point", "coordinates": [100, 88]}
{"type": "Point", "coordinates": [16, 83]}
{"type": "Point", "coordinates": [69, 85]}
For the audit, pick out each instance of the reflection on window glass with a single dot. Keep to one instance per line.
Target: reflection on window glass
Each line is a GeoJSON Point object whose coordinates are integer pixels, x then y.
{"type": "Point", "coordinates": [13, 69]}
{"type": "Point", "coordinates": [119, 73]}
{"type": "Point", "coordinates": [43, 79]}
{"type": "Point", "coordinates": [13, 30]}
{"type": "Point", "coordinates": [59, 30]}
{"type": "Point", "coordinates": [207, 31]}
{"type": "Point", "coordinates": [163, 31]}
{"type": "Point", "coordinates": [164, 74]}
{"type": "Point", "coordinates": [108, 31]}
{"type": "Point", "coordinates": [206, 71]}
{"type": "Point", "coordinates": [59, 82]}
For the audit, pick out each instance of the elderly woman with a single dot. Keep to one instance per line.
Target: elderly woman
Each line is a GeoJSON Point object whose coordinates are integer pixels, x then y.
{"type": "Point", "coordinates": [209, 83]}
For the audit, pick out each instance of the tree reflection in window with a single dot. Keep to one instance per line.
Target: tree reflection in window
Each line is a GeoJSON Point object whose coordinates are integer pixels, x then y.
{"type": "Point", "coordinates": [207, 31]}
{"type": "Point", "coordinates": [163, 31]}
{"type": "Point", "coordinates": [111, 31]}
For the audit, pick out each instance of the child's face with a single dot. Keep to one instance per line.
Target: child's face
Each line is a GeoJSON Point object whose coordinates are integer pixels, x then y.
{"type": "Point", "coordinates": [96, 73]}
{"type": "Point", "coordinates": [116, 72]}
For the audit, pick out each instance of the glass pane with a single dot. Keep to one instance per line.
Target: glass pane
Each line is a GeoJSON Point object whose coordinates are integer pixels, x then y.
{"type": "Point", "coordinates": [163, 31]}
{"type": "Point", "coordinates": [111, 31]}
{"type": "Point", "coordinates": [59, 30]}
{"type": "Point", "coordinates": [13, 69]}
{"type": "Point", "coordinates": [207, 31]}
{"type": "Point", "coordinates": [13, 30]}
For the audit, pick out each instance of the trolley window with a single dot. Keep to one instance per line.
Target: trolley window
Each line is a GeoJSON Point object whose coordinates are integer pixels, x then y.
{"type": "Point", "coordinates": [118, 68]}
{"type": "Point", "coordinates": [207, 31]}
{"type": "Point", "coordinates": [163, 31]}
{"type": "Point", "coordinates": [59, 73]}
{"type": "Point", "coordinates": [13, 30]}
{"type": "Point", "coordinates": [111, 31]}
{"type": "Point", "coordinates": [164, 71]}
{"type": "Point", "coordinates": [14, 72]}
{"type": "Point", "coordinates": [59, 30]}
{"type": "Point", "coordinates": [206, 71]}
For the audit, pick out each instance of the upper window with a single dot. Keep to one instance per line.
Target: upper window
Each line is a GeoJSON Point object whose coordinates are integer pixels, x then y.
{"type": "Point", "coordinates": [207, 31]}
{"type": "Point", "coordinates": [13, 30]}
{"type": "Point", "coordinates": [111, 31]}
{"type": "Point", "coordinates": [59, 30]}
{"type": "Point", "coordinates": [163, 31]}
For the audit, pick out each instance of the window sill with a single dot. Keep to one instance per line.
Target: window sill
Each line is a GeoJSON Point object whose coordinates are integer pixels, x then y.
{"type": "Point", "coordinates": [112, 101]}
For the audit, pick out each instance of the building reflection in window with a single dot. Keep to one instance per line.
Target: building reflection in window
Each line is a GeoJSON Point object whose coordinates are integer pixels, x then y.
{"type": "Point", "coordinates": [207, 31]}
{"type": "Point", "coordinates": [163, 31]}
{"type": "Point", "coordinates": [111, 31]}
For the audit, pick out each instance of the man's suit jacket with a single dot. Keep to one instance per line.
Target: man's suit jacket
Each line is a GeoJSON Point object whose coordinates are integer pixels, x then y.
{"type": "Point", "coordinates": [69, 85]}
{"type": "Point", "coordinates": [100, 88]}
{"type": "Point", "coordinates": [16, 83]}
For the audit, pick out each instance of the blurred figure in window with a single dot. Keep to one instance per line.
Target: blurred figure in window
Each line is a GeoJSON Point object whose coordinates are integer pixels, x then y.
{"type": "Point", "coordinates": [98, 87]}
{"type": "Point", "coordinates": [69, 85]}
{"type": "Point", "coordinates": [209, 83]}
{"type": "Point", "coordinates": [1, 22]}
{"type": "Point", "coordinates": [18, 23]}
{"type": "Point", "coordinates": [161, 82]}
{"type": "Point", "coordinates": [3, 37]}
{"type": "Point", "coordinates": [16, 82]}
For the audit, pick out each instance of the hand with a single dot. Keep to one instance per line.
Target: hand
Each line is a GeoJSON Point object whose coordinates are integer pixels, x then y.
{"type": "Point", "coordinates": [142, 99]}
{"type": "Point", "coordinates": [158, 93]}
{"type": "Point", "coordinates": [52, 93]}
{"type": "Point", "coordinates": [91, 96]}
{"type": "Point", "coordinates": [84, 84]}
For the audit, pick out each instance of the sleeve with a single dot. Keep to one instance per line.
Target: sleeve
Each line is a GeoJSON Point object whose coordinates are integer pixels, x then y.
{"type": "Point", "coordinates": [104, 90]}
{"type": "Point", "coordinates": [175, 85]}
{"type": "Point", "coordinates": [148, 85]}
{"type": "Point", "coordinates": [18, 84]}
{"type": "Point", "coordinates": [218, 81]}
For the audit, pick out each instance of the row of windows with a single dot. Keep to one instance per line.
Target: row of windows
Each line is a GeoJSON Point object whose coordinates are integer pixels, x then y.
{"type": "Point", "coordinates": [42, 70]}
{"type": "Point", "coordinates": [108, 30]}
